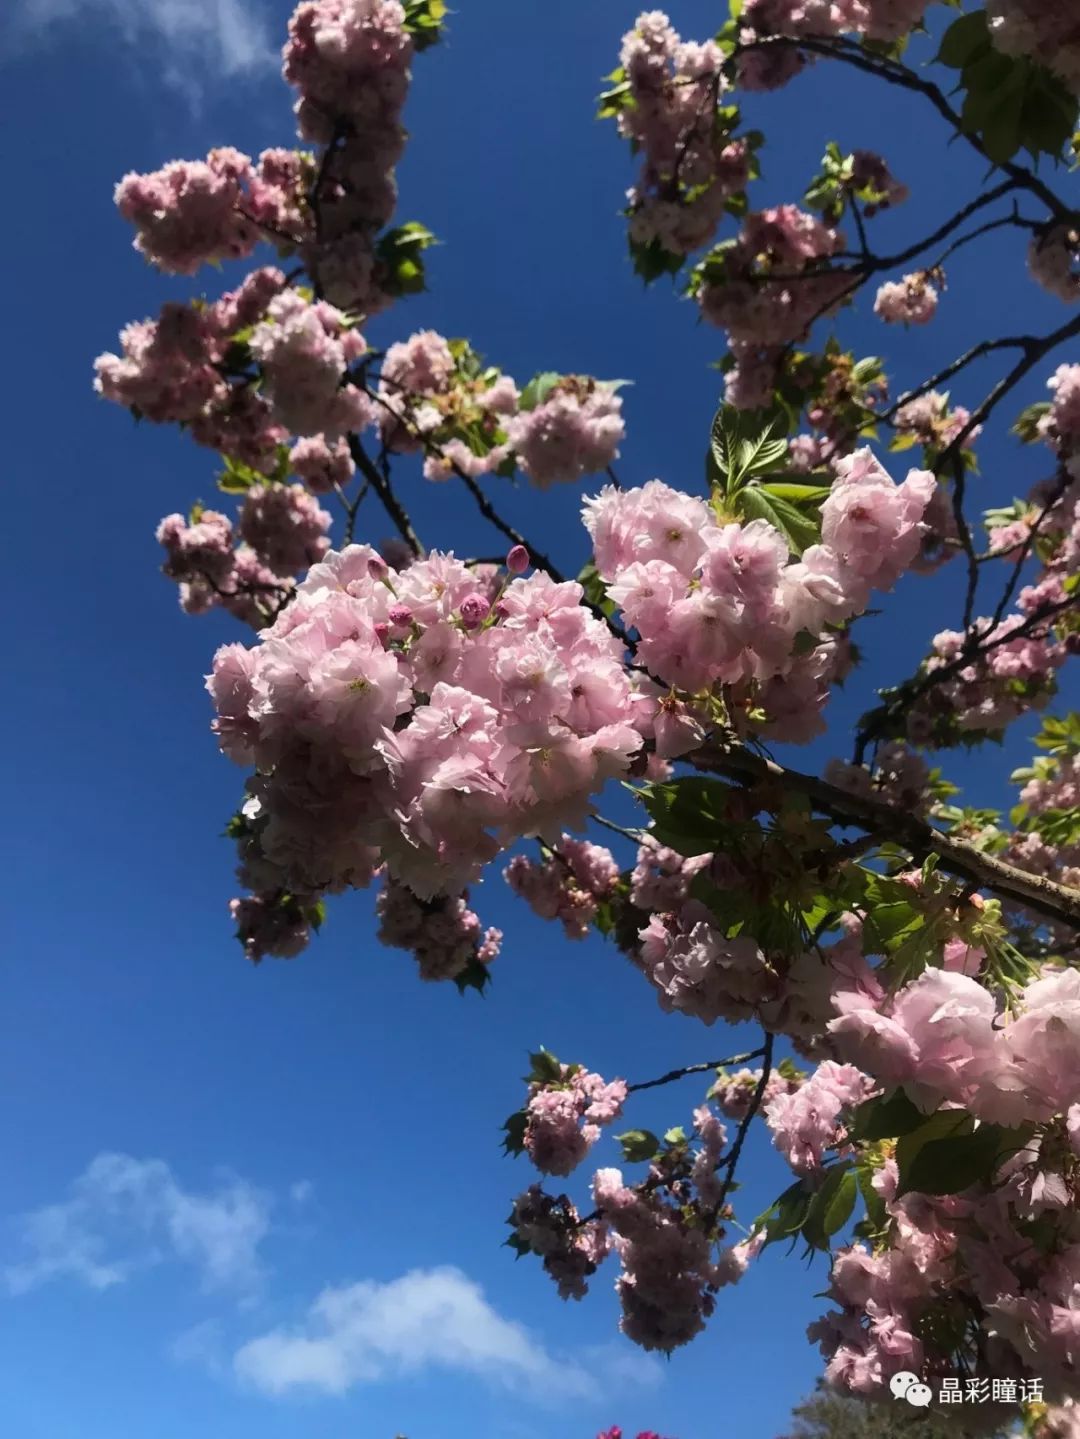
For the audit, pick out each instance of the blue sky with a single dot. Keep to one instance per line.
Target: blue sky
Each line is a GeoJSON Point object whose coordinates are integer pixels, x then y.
{"type": "Point", "coordinates": [201, 1149]}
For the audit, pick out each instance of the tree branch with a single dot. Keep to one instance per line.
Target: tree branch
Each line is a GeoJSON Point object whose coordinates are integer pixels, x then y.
{"type": "Point", "coordinates": [957, 857]}
{"type": "Point", "coordinates": [694, 1069]}
{"type": "Point", "coordinates": [729, 1164]}
{"type": "Point", "coordinates": [382, 487]}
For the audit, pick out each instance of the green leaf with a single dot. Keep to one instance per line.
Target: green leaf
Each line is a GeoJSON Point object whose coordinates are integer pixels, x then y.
{"type": "Point", "coordinates": [688, 814]}
{"type": "Point", "coordinates": [797, 494]}
{"type": "Point", "coordinates": [876, 1213]}
{"type": "Point", "coordinates": [475, 975]}
{"type": "Point", "coordinates": [545, 1068]}
{"type": "Point", "coordinates": [514, 1132]}
{"type": "Point", "coordinates": [538, 389]}
{"type": "Point", "coordinates": [595, 589]}
{"type": "Point", "coordinates": [638, 1145]}
{"type": "Point", "coordinates": [757, 502]}
{"type": "Point", "coordinates": [400, 253]}
{"type": "Point", "coordinates": [963, 40]}
{"type": "Point", "coordinates": [744, 444]}
{"type": "Point", "coordinates": [423, 21]}
{"type": "Point", "coordinates": [886, 1117]}
{"type": "Point", "coordinates": [831, 1207]}
{"type": "Point", "coordinates": [652, 260]}
{"type": "Point", "coordinates": [955, 1162]}
{"type": "Point", "coordinates": [237, 478]}
{"type": "Point", "coordinates": [786, 1215]}
{"type": "Point", "coordinates": [675, 1136]}
{"type": "Point", "coordinates": [946, 1124]}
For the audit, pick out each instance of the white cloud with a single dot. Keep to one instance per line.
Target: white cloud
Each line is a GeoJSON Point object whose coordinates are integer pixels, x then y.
{"type": "Point", "coordinates": [126, 1214]}
{"type": "Point", "coordinates": [191, 42]}
{"type": "Point", "coordinates": [429, 1318]}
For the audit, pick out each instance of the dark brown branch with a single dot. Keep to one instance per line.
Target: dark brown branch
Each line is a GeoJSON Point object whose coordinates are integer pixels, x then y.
{"type": "Point", "coordinates": [730, 1163]}
{"type": "Point", "coordinates": [382, 487]}
{"type": "Point", "coordinates": [957, 857]}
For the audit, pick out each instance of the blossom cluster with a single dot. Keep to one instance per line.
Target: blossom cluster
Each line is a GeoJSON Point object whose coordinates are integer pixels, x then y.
{"type": "Point", "coordinates": [172, 371]}
{"type": "Point", "coordinates": [574, 431]}
{"type": "Point", "coordinates": [670, 1267]}
{"type": "Point", "coordinates": [725, 602]}
{"type": "Point", "coordinates": [768, 285]}
{"type": "Point", "coordinates": [1054, 261]}
{"type": "Point", "coordinates": [1011, 672]}
{"type": "Point", "coordinates": [442, 933]}
{"type": "Point", "coordinates": [435, 396]}
{"type": "Point", "coordinates": [667, 1231]}
{"type": "Point", "coordinates": [898, 776]}
{"type": "Point", "coordinates": [349, 63]}
{"type": "Point", "coordinates": [910, 301]}
{"type": "Point", "coordinates": [564, 1116]}
{"type": "Point", "coordinates": [952, 1261]}
{"type": "Point", "coordinates": [571, 1248]}
{"type": "Point", "coordinates": [769, 66]}
{"type": "Point", "coordinates": [568, 885]}
{"type": "Point", "coordinates": [691, 166]}
{"type": "Point", "coordinates": [942, 1038]}
{"type": "Point", "coordinates": [202, 212]}
{"type": "Point", "coordinates": [303, 349]}
{"type": "Point", "coordinates": [1044, 33]}
{"type": "Point", "coordinates": [933, 422]}
{"type": "Point", "coordinates": [434, 726]}
{"type": "Point", "coordinates": [806, 1122]}
{"type": "Point", "coordinates": [212, 571]}
{"type": "Point", "coordinates": [733, 1094]}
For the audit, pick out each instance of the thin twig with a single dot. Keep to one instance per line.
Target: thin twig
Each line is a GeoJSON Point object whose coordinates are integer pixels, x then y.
{"type": "Point", "coordinates": [694, 1069]}
{"type": "Point", "coordinates": [731, 1161]}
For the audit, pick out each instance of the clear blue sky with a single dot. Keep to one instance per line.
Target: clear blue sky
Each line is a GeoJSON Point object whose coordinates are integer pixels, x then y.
{"type": "Point", "coordinates": [331, 1124]}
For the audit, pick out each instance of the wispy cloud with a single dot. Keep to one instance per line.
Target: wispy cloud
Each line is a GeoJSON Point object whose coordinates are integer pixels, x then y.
{"type": "Point", "coordinates": [127, 1214]}
{"type": "Point", "coordinates": [204, 1347]}
{"type": "Point", "coordinates": [428, 1319]}
{"type": "Point", "coordinates": [189, 43]}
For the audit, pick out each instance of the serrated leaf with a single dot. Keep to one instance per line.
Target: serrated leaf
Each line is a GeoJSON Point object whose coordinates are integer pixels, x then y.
{"type": "Point", "coordinates": [798, 494]}
{"type": "Point", "coordinates": [688, 814]}
{"type": "Point", "coordinates": [545, 1068]}
{"type": "Point", "coordinates": [514, 1132]}
{"type": "Point", "coordinates": [801, 530]}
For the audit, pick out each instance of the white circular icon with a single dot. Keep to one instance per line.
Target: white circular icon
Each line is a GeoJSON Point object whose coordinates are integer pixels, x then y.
{"type": "Point", "coordinates": [919, 1394]}
{"type": "Point", "coordinates": [902, 1382]}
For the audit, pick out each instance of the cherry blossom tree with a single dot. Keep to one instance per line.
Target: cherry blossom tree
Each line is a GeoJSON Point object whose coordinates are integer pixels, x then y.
{"type": "Point", "coordinates": [407, 716]}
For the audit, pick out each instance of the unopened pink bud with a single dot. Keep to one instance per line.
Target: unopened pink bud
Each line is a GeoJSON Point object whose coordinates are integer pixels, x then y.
{"type": "Point", "coordinates": [377, 568]}
{"type": "Point", "coordinates": [517, 561]}
{"type": "Point", "coordinates": [400, 616]}
{"type": "Point", "coordinates": [474, 610]}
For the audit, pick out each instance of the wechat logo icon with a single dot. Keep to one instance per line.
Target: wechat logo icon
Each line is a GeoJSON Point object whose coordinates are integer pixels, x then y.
{"type": "Point", "coordinates": [906, 1385]}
